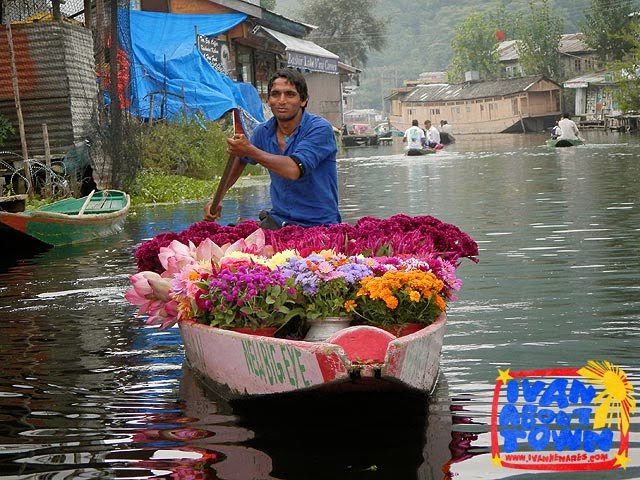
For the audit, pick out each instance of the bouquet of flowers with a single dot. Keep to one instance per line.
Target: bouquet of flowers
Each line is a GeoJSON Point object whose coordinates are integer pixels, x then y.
{"type": "Point", "coordinates": [246, 295]}
{"type": "Point", "coordinates": [232, 281]}
{"type": "Point", "coordinates": [233, 285]}
{"type": "Point", "coordinates": [327, 281]}
{"type": "Point", "coordinates": [405, 290]}
{"type": "Point", "coordinates": [421, 236]}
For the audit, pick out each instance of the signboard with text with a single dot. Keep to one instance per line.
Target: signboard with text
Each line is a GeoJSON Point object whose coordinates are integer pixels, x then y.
{"type": "Point", "coordinates": [312, 62]}
{"type": "Point", "coordinates": [215, 51]}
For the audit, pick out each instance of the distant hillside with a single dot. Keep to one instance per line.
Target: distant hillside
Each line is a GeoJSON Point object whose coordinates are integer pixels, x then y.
{"type": "Point", "coordinates": [419, 38]}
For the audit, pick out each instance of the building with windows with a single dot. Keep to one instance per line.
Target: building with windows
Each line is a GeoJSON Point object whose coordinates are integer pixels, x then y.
{"type": "Point", "coordinates": [511, 105]}
{"type": "Point", "coordinates": [575, 56]}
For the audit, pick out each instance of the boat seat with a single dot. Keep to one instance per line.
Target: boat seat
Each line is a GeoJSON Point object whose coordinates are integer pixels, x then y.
{"type": "Point", "coordinates": [93, 208]}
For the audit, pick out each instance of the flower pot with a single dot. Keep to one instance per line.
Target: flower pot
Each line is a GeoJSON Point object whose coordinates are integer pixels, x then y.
{"type": "Point", "coordinates": [403, 329]}
{"type": "Point", "coordinates": [263, 331]}
{"type": "Point", "coordinates": [322, 328]}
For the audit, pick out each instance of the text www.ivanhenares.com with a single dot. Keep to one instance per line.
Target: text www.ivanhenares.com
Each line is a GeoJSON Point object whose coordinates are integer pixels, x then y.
{"type": "Point", "coordinates": [555, 457]}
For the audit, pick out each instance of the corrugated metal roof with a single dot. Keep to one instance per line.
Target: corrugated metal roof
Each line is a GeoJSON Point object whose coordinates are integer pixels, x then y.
{"type": "Point", "coordinates": [594, 78]}
{"type": "Point", "coordinates": [508, 51]}
{"type": "Point", "coordinates": [465, 91]}
{"type": "Point", "coordinates": [299, 45]}
{"type": "Point", "coordinates": [573, 43]}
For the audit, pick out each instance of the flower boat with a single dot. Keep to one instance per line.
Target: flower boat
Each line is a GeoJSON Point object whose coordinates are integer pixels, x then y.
{"type": "Point", "coordinates": [359, 358]}
{"type": "Point", "coordinates": [384, 275]}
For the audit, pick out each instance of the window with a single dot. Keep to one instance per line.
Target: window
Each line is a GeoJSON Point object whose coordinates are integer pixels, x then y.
{"type": "Point", "coordinates": [514, 106]}
{"type": "Point", "coordinates": [244, 64]}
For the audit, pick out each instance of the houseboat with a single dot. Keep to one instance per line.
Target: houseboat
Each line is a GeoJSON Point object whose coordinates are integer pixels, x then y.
{"type": "Point", "coordinates": [513, 105]}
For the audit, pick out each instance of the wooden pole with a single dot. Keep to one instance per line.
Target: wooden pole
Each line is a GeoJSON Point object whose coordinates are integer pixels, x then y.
{"type": "Point", "coordinates": [115, 137]}
{"type": "Point", "coordinates": [184, 103]}
{"type": "Point", "coordinates": [151, 101]}
{"type": "Point", "coordinates": [55, 7]}
{"type": "Point", "coordinates": [16, 96]}
{"type": "Point", "coordinates": [48, 188]}
{"type": "Point", "coordinates": [87, 15]}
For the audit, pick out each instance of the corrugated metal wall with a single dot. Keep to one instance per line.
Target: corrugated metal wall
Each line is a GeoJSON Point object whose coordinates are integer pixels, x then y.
{"type": "Point", "coordinates": [56, 82]}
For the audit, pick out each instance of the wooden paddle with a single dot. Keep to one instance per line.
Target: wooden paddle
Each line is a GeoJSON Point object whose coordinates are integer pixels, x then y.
{"type": "Point", "coordinates": [86, 203]}
{"type": "Point", "coordinates": [219, 194]}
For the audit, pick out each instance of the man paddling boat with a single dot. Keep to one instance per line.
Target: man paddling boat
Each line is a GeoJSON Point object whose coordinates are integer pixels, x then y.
{"type": "Point", "coordinates": [299, 151]}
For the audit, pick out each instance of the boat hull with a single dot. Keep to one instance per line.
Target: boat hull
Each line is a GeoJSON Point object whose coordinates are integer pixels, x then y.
{"type": "Point", "coordinates": [555, 142]}
{"type": "Point", "coordinates": [412, 152]}
{"type": "Point", "coordinates": [360, 358]}
{"type": "Point", "coordinates": [66, 222]}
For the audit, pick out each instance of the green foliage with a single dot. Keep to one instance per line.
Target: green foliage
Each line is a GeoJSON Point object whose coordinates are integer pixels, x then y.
{"type": "Point", "coordinates": [152, 186]}
{"type": "Point", "coordinates": [346, 28]}
{"type": "Point", "coordinates": [419, 35]}
{"type": "Point", "coordinates": [188, 147]}
{"type": "Point", "coordinates": [606, 28]}
{"type": "Point", "coordinates": [627, 79]}
{"type": "Point", "coordinates": [6, 129]}
{"type": "Point", "coordinates": [474, 46]}
{"type": "Point", "coordinates": [539, 35]}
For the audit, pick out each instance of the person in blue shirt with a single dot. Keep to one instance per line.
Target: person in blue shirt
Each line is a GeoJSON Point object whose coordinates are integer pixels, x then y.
{"type": "Point", "coordinates": [299, 151]}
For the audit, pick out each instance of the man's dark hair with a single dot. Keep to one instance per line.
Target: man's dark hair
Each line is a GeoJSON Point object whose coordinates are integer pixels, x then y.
{"type": "Point", "coordinates": [414, 122]}
{"type": "Point", "coordinates": [295, 78]}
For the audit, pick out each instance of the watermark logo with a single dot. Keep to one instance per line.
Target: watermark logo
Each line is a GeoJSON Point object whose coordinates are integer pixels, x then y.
{"type": "Point", "coordinates": [562, 419]}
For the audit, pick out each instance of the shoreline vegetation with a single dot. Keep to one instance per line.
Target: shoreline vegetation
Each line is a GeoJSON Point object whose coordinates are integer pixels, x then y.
{"type": "Point", "coordinates": [152, 188]}
{"type": "Point", "coordinates": [183, 161]}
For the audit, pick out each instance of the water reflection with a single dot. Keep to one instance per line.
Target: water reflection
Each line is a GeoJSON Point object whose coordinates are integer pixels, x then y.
{"type": "Point", "coordinates": [337, 436]}
{"type": "Point", "coordinates": [86, 390]}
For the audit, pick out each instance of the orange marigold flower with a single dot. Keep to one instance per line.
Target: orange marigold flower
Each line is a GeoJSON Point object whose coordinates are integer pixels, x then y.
{"type": "Point", "coordinates": [414, 295]}
{"type": "Point", "coordinates": [391, 302]}
{"type": "Point", "coordinates": [350, 305]}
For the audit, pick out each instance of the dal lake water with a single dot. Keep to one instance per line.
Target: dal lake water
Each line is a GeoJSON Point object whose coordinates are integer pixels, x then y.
{"type": "Point", "coordinates": [88, 391]}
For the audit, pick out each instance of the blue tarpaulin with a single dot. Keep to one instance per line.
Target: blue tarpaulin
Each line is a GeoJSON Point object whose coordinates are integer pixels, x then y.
{"type": "Point", "coordinates": [166, 65]}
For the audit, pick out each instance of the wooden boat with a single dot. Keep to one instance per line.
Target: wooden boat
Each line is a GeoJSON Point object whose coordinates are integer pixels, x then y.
{"type": "Point", "coordinates": [420, 151]}
{"type": "Point", "coordinates": [71, 220]}
{"type": "Point", "coordinates": [13, 203]}
{"type": "Point", "coordinates": [564, 142]}
{"type": "Point", "coordinates": [363, 140]}
{"type": "Point", "coordinates": [240, 366]}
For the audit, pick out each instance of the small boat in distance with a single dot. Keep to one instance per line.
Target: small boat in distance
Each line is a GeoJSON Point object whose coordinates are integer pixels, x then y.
{"type": "Point", "coordinates": [239, 366]}
{"type": "Point", "coordinates": [420, 151]}
{"type": "Point", "coordinates": [564, 142]}
{"type": "Point", "coordinates": [72, 220]}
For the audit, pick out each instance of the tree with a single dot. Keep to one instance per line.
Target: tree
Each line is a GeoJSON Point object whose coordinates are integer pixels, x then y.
{"type": "Point", "coordinates": [347, 28]}
{"type": "Point", "coordinates": [539, 35]}
{"type": "Point", "coordinates": [627, 72]}
{"type": "Point", "coordinates": [605, 27]}
{"type": "Point", "coordinates": [474, 46]}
